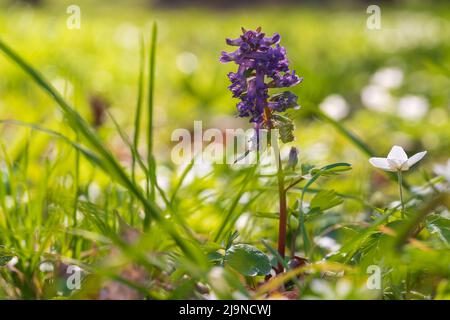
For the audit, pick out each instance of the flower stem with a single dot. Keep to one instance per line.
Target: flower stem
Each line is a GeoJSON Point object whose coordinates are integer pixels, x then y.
{"type": "Point", "coordinates": [400, 190]}
{"type": "Point", "coordinates": [283, 214]}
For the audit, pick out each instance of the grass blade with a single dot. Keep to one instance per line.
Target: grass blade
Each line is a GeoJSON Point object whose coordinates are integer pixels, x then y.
{"type": "Point", "coordinates": [138, 115]}
{"type": "Point", "coordinates": [151, 87]}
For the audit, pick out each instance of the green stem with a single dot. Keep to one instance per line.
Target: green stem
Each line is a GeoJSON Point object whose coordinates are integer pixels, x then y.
{"type": "Point", "coordinates": [293, 239]}
{"type": "Point", "coordinates": [400, 190]}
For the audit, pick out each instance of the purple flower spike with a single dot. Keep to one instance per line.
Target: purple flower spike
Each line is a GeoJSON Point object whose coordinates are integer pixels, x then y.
{"type": "Point", "coordinates": [282, 101]}
{"type": "Point", "coordinates": [262, 65]}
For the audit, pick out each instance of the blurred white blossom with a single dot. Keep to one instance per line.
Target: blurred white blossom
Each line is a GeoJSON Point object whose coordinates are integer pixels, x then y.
{"type": "Point", "coordinates": [443, 170]}
{"type": "Point", "coordinates": [94, 192]}
{"type": "Point", "coordinates": [389, 78]}
{"type": "Point", "coordinates": [410, 30]}
{"type": "Point", "coordinates": [127, 36]}
{"type": "Point", "coordinates": [187, 62]}
{"type": "Point", "coordinates": [327, 243]}
{"type": "Point", "coordinates": [412, 107]}
{"type": "Point", "coordinates": [46, 267]}
{"type": "Point", "coordinates": [242, 221]}
{"type": "Point", "coordinates": [13, 262]}
{"type": "Point", "coordinates": [377, 98]}
{"type": "Point", "coordinates": [335, 107]}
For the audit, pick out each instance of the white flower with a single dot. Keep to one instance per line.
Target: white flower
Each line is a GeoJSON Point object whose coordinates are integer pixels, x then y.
{"type": "Point", "coordinates": [187, 62]}
{"type": "Point", "coordinates": [443, 170]}
{"type": "Point", "coordinates": [389, 78]}
{"type": "Point", "coordinates": [335, 107]}
{"type": "Point", "coordinates": [412, 107]}
{"type": "Point", "coordinates": [327, 243]}
{"type": "Point", "coordinates": [377, 98]}
{"type": "Point", "coordinates": [397, 160]}
{"type": "Point", "coordinates": [46, 267]}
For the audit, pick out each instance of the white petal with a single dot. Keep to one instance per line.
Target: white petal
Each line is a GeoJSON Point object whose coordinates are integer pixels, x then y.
{"type": "Point", "coordinates": [397, 153]}
{"type": "Point", "coordinates": [405, 166]}
{"type": "Point", "coordinates": [396, 164]}
{"type": "Point", "coordinates": [416, 158]}
{"type": "Point", "coordinates": [381, 163]}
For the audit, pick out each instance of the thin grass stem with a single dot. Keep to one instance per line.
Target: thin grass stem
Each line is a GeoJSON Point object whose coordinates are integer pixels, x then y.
{"type": "Point", "coordinates": [151, 86]}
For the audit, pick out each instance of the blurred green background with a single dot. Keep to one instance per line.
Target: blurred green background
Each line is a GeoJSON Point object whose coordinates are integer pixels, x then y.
{"type": "Point", "coordinates": [389, 86]}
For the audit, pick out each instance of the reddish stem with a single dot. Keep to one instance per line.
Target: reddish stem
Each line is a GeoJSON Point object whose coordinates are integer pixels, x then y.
{"type": "Point", "coordinates": [283, 215]}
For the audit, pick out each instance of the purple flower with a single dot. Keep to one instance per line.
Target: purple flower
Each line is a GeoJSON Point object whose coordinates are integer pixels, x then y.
{"type": "Point", "coordinates": [262, 65]}
{"type": "Point", "coordinates": [238, 84]}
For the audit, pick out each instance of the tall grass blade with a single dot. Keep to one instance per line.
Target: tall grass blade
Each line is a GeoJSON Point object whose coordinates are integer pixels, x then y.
{"type": "Point", "coordinates": [138, 115]}
{"type": "Point", "coordinates": [151, 87]}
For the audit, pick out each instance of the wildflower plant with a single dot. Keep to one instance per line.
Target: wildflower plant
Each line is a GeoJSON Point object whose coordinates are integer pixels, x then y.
{"type": "Point", "coordinates": [397, 161]}
{"type": "Point", "coordinates": [262, 66]}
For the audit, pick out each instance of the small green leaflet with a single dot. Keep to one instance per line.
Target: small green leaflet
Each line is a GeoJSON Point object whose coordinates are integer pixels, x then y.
{"type": "Point", "coordinates": [5, 256]}
{"type": "Point", "coordinates": [285, 127]}
{"type": "Point", "coordinates": [325, 199]}
{"type": "Point", "coordinates": [439, 227]}
{"type": "Point", "coordinates": [247, 260]}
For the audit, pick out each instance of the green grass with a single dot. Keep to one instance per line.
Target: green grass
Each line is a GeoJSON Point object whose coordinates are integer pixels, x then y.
{"type": "Point", "coordinates": [109, 200]}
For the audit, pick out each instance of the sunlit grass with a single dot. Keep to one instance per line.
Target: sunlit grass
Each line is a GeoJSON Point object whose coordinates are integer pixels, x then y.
{"type": "Point", "coordinates": [108, 199]}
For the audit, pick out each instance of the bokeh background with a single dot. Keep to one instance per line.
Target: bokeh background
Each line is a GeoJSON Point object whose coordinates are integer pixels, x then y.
{"type": "Point", "coordinates": [388, 86]}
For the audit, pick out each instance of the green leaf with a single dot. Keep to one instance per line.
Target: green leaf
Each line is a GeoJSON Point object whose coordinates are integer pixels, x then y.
{"type": "Point", "coordinates": [267, 215]}
{"type": "Point", "coordinates": [306, 168]}
{"type": "Point", "coordinates": [325, 199]}
{"type": "Point", "coordinates": [215, 257]}
{"type": "Point", "coordinates": [247, 260]}
{"type": "Point", "coordinates": [285, 127]}
{"type": "Point", "coordinates": [332, 169]}
{"type": "Point", "coordinates": [231, 237]}
{"type": "Point", "coordinates": [5, 256]}
{"type": "Point", "coordinates": [439, 227]}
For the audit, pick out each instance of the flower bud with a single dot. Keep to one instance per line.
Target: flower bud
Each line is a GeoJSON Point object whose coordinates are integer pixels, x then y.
{"type": "Point", "coordinates": [293, 222]}
{"type": "Point", "coordinates": [293, 158]}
